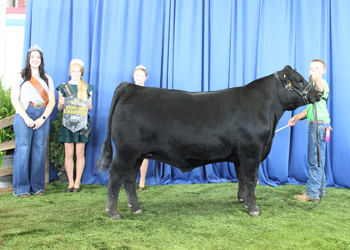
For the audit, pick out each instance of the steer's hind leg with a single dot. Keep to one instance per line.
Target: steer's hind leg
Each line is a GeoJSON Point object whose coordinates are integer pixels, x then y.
{"type": "Point", "coordinates": [130, 188]}
{"type": "Point", "coordinates": [118, 171]}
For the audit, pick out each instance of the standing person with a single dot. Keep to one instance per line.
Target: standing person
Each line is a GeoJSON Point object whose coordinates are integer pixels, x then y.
{"type": "Point", "coordinates": [313, 184]}
{"type": "Point", "coordinates": [33, 98]}
{"type": "Point", "coordinates": [140, 77]}
{"type": "Point", "coordinates": [83, 90]}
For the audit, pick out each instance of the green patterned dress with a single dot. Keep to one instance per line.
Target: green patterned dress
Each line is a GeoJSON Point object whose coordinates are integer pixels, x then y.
{"type": "Point", "coordinates": [65, 135]}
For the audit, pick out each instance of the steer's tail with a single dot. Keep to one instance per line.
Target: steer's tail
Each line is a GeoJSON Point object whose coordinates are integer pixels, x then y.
{"type": "Point", "coordinates": [106, 150]}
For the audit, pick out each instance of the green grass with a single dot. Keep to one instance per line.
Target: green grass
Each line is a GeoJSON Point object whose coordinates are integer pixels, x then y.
{"type": "Point", "coordinates": [175, 217]}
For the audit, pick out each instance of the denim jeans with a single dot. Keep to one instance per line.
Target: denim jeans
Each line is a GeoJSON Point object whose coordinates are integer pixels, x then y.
{"type": "Point", "coordinates": [313, 184]}
{"type": "Point", "coordinates": [30, 154]}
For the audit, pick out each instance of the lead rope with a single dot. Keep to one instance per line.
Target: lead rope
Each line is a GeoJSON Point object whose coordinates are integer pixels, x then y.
{"type": "Point", "coordinates": [319, 159]}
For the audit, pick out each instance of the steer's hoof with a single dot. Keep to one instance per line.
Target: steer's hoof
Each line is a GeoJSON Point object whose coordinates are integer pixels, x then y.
{"type": "Point", "coordinates": [129, 205]}
{"type": "Point", "coordinates": [138, 211]}
{"type": "Point", "coordinates": [254, 213]}
{"type": "Point", "coordinates": [115, 217]}
{"type": "Point", "coordinates": [107, 209]}
{"type": "Point", "coordinates": [241, 200]}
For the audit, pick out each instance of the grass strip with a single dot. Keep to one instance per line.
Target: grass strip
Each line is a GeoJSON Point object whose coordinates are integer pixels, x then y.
{"type": "Point", "coordinates": [190, 216]}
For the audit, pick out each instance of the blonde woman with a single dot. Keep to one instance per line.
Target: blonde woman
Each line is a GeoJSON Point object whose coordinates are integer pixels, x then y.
{"type": "Point", "coordinates": [140, 77]}
{"type": "Point", "coordinates": [83, 90]}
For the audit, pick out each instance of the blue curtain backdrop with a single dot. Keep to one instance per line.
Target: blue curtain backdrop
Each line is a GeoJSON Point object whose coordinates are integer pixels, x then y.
{"type": "Point", "coordinates": [203, 45]}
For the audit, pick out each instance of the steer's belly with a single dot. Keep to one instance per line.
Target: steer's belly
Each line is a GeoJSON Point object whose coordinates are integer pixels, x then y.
{"type": "Point", "coordinates": [184, 164]}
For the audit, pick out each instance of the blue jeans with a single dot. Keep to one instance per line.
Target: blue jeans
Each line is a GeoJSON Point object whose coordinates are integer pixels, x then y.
{"type": "Point", "coordinates": [313, 184]}
{"type": "Point", "coordinates": [30, 154]}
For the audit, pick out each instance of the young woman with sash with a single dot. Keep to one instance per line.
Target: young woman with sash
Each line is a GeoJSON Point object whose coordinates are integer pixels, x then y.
{"type": "Point", "coordinates": [33, 97]}
{"type": "Point", "coordinates": [82, 90]}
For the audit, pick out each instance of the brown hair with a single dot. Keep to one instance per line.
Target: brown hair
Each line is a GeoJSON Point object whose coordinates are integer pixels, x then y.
{"type": "Point", "coordinates": [26, 73]}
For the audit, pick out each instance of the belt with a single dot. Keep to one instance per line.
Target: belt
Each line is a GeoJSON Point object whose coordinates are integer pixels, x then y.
{"type": "Point", "coordinates": [37, 105]}
{"type": "Point", "coordinates": [312, 122]}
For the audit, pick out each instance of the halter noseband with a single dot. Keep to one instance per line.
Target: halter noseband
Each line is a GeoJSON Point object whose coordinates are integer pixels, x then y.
{"type": "Point", "coordinates": [303, 93]}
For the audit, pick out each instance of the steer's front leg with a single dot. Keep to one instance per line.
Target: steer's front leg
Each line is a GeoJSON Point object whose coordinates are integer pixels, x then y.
{"type": "Point", "coordinates": [251, 177]}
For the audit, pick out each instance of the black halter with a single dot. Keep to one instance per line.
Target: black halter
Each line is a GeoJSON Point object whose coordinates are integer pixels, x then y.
{"type": "Point", "coordinates": [303, 93]}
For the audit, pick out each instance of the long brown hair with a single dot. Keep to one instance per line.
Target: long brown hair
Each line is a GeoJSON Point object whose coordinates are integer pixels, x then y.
{"type": "Point", "coordinates": [26, 73]}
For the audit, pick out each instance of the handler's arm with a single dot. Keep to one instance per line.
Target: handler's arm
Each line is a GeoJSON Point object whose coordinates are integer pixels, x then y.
{"type": "Point", "coordinates": [300, 116]}
{"type": "Point", "coordinates": [317, 80]}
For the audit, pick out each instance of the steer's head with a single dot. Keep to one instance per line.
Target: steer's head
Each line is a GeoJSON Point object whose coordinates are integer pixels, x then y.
{"type": "Point", "coordinates": [297, 91]}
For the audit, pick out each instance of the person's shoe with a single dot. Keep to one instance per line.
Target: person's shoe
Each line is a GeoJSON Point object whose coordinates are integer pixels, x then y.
{"type": "Point", "coordinates": [24, 195]}
{"type": "Point", "coordinates": [142, 188]}
{"type": "Point", "coordinates": [304, 197]}
{"type": "Point", "coordinates": [76, 190]}
{"type": "Point", "coordinates": [41, 193]}
{"type": "Point", "coordinates": [304, 192]}
{"type": "Point", "coordinates": [69, 190]}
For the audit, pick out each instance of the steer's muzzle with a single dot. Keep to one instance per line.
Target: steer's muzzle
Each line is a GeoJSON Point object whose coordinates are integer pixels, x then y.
{"type": "Point", "coordinates": [314, 96]}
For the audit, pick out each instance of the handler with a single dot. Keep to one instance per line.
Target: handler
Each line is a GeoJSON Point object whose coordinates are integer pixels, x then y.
{"type": "Point", "coordinates": [313, 184]}
{"type": "Point", "coordinates": [83, 91]}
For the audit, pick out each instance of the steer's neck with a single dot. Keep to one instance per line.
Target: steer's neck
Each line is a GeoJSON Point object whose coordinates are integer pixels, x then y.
{"type": "Point", "coordinates": [272, 90]}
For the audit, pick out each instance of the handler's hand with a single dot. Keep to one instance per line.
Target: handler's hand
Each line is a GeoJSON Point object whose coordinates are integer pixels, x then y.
{"type": "Point", "coordinates": [292, 121]}
{"type": "Point", "coordinates": [38, 122]}
{"type": "Point", "coordinates": [316, 77]}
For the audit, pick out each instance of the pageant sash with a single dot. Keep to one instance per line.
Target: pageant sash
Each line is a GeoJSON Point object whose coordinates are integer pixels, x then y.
{"type": "Point", "coordinates": [42, 92]}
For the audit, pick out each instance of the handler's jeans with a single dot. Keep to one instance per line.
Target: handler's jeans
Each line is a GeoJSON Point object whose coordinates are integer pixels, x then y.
{"type": "Point", "coordinates": [30, 154]}
{"type": "Point", "coordinates": [313, 184]}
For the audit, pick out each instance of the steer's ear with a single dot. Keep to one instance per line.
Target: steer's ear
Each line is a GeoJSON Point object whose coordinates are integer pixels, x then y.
{"type": "Point", "coordinates": [285, 73]}
{"type": "Point", "coordinates": [288, 67]}
{"type": "Point", "coordinates": [283, 76]}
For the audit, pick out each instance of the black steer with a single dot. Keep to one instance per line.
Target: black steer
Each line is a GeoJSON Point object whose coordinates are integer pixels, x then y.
{"type": "Point", "coordinates": [188, 130]}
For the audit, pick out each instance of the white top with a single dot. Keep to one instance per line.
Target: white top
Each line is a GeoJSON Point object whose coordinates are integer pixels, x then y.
{"type": "Point", "coordinates": [28, 93]}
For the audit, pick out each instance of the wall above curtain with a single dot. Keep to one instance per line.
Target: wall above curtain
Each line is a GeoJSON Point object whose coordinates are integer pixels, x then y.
{"type": "Point", "coordinates": [201, 45]}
